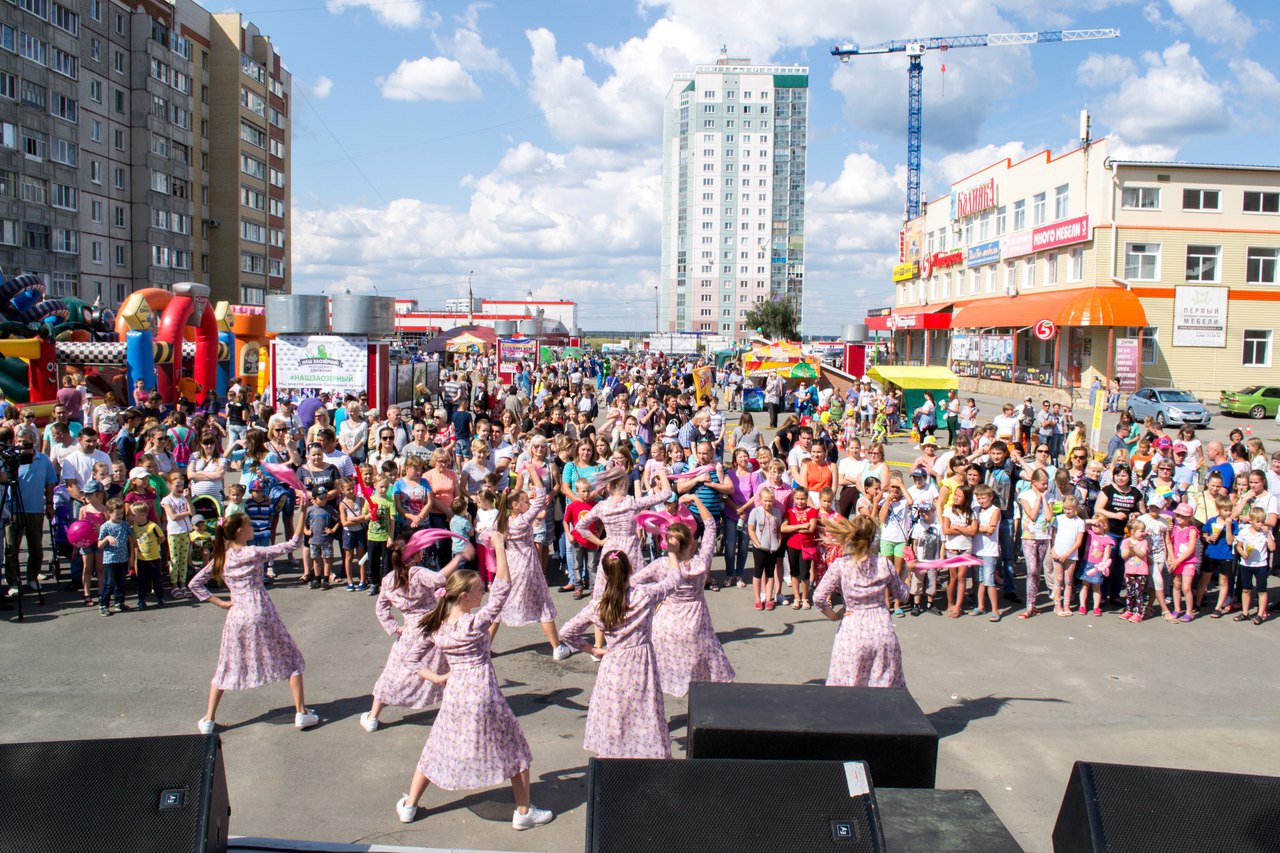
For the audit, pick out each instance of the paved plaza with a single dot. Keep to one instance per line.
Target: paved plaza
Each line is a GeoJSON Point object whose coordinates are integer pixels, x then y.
{"type": "Point", "coordinates": [1015, 703]}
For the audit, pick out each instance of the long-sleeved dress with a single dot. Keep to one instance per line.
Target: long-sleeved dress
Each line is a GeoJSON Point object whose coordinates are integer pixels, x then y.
{"type": "Point", "coordinates": [399, 684]}
{"type": "Point", "coordinates": [619, 520]}
{"type": "Point", "coordinates": [476, 740]}
{"type": "Point", "coordinates": [626, 717]}
{"type": "Point", "coordinates": [684, 640]}
{"type": "Point", "coordinates": [866, 651]}
{"type": "Point", "coordinates": [530, 599]}
{"type": "Point", "coordinates": [256, 648]}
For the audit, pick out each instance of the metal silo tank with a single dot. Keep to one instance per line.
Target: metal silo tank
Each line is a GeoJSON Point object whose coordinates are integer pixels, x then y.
{"type": "Point", "coordinates": [504, 328]}
{"type": "Point", "coordinates": [374, 316]}
{"type": "Point", "coordinates": [298, 314]}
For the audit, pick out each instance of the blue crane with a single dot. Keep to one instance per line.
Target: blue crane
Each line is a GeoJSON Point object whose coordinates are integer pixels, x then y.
{"type": "Point", "coordinates": [915, 49]}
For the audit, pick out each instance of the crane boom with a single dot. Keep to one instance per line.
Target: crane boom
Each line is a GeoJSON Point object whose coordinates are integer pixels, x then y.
{"type": "Point", "coordinates": [916, 48]}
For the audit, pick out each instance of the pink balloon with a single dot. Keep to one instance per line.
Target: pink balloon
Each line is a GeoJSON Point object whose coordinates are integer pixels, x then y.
{"type": "Point", "coordinates": [82, 534]}
{"type": "Point", "coordinates": [284, 474]}
{"type": "Point", "coordinates": [421, 540]}
{"type": "Point", "coordinates": [654, 523]}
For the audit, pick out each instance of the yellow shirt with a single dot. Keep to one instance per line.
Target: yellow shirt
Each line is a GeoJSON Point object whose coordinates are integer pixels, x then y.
{"type": "Point", "coordinates": [147, 538]}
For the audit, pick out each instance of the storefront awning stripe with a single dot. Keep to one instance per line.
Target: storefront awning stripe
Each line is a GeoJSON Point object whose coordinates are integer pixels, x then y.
{"type": "Point", "coordinates": [1084, 306]}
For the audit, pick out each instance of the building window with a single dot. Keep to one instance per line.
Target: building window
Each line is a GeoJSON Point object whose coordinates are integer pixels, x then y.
{"type": "Point", "coordinates": [1075, 264]}
{"type": "Point", "coordinates": [8, 232]}
{"type": "Point", "coordinates": [1260, 267]}
{"type": "Point", "coordinates": [35, 236]}
{"type": "Point", "coordinates": [1019, 215]}
{"type": "Point", "coordinates": [1256, 201]}
{"type": "Point", "coordinates": [252, 295]}
{"type": "Point", "coordinates": [95, 251]}
{"type": "Point", "coordinates": [1051, 268]}
{"type": "Point", "coordinates": [1142, 261]}
{"type": "Point", "coordinates": [993, 276]}
{"type": "Point", "coordinates": [1039, 209]}
{"type": "Point", "coordinates": [1202, 263]}
{"type": "Point", "coordinates": [1257, 348]}
{"type": "Point", "coordinates": [984, 226]}
{"type": "Point", "coordinates": [1201, 199]}
{"type": "Point", "coordinates": [1061, 196]}
{"type": "Point", "coordinates": [1029, 274]}
{"type": "Point", "coordinates": [1140, 198]}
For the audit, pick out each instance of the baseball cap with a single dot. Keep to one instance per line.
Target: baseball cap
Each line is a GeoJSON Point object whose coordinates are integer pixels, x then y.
{"type": "Point", "coordinates": [92, 486]}
{"type": "Point", "coordinates": [919, 471]}
{"type": "Point", "coordinates": [1163, 442]}
{"type": "Point", "coordinates": [1185, 510]}
{"type": "Point", "coordinates": [139, 473]}
{"type": "Point", "coordinates": [198, 519]}
{"type": "Point", "coordinates": [1179, 447]}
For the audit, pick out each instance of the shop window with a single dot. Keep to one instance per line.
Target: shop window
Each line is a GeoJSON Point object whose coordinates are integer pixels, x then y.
{"type": "Point", "coordinates": [1150, 341]}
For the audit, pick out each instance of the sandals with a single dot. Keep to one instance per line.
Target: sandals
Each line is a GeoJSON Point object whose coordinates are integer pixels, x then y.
{"type": "Point", "coordinates": [1026, 614]}
{"type": "Point", "coordinates": [995, 617]}
{"type": "Point", "coordinates": [1216, 614]}
{"type": "Point", "coordinates": [1259, 619]}
{"type": "Point", "coordinates": [1169, 617]}
{"type": "Point", "coordinates": [1240, 617]}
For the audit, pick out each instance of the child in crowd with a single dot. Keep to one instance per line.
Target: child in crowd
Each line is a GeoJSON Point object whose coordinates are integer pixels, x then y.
{"type": "Point", "coordinates": [322, 525]}
{"type": "Point", "coordinates": [1253, 544]}
{"type": "Point", "coordinates": [140, 491]}
{"type": "Point", "coordinates": [177, 516]}
{"type": "Point", "coordinates": [118, 480]}
{"type": "Point", "coordinates": [235, 501]}
{"type": "Point", "coordinates": [826, 550]}
{"type": "Point", "coordinates": [1157, 527]}
{"type": "Point", "coordinates": [258, 507]}
{"type": "Point", "coordinates": [986, 546]}
{"type": "Point", "coordinates": [895, 527]}
{"type": "Point", "coordinates": [1219, 535]}
{"type": "Point", "coordinates": [586, 553]}
{"type": "Point", "coordinates": [382, 513]}
{"type": "Point", "coordinates": [1097, 564]}
{"type": "Point", "coordinates": [114, 545]}
{"type": "Point", "coordinates": [94, 512]}
{"type": "Point", "coordinates": [147, 563]}
{"type": "Point", "coordinates": [801, 523]}
{"type": "Point", "coordinates": [486, 521]}
{"type": "Point", "coordinates": [959, 527]}
{"type": "Point", "coordinates": [1135, 550]}
{"type": "Point", "coordinates": [1068, 535]}
{"type": "Point", "coordinates": [764, 529]}
{"type": "Point", "coordinates": [460, 524]}
{"type": "Point", "coordinates": [353, 514]}
{"type": "Point", "coordinates": [1183, 562]}
{"type": "Point", "coordinates": [926, 543]}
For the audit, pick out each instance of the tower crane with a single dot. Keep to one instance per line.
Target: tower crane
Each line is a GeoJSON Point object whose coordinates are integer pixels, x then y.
{"type": "Point", "coordinates": [915, 50]}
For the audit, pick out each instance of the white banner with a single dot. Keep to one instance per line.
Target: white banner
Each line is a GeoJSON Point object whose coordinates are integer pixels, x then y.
{"type": "Point", "coordinates": [1199, 316]}
{"type": "Point", "coordinates": [325, 362]}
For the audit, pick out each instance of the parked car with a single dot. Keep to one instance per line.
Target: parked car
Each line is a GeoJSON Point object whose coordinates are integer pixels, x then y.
{"type": "Point", "coordinates": [1169, 406]}
{"type": "Point", "coordinates": [1256, 401]}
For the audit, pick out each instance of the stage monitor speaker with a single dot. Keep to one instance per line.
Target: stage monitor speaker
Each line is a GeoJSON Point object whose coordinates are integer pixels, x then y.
{"type": "Point", "coordinates": [1123, 808]}
{"type": "Point", "coordinates": [732, 806]}
{"type": "Point", "coordinates": [881, 726]}
{"type": "Point", "coordinates": [141, 795]}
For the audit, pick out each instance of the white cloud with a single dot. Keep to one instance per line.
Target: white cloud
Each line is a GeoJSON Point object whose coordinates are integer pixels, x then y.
{"type": "Point", "coordinates": [1153, 12]}
{"type": "Point", "coordinates": [1256, 81]}
{"type": "Point", "coordinates": [1216, 21]}
{"type": "Point", "coordinates": [1122, 149]}
{"type": "Point", "coordinates": [398, 14]}
{"type": "Point", "coordinates": [467, 46]}
{"type": "Point", "coordinates": [1105, 69]}
{"type": "Point", "coordinates": [1173, 99]}
{"type": "Point", "coordinates": [431, 78]}
{"type": "Point", "coordinates": [320, 89]}
{"type": "Point", "coordinates": [961, 164]}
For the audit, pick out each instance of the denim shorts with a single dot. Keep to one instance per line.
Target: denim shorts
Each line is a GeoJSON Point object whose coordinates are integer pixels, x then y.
{"type": "Point", "coordinates": [987, 571]}
{"type": "Point", "coordinates": [324, 550]}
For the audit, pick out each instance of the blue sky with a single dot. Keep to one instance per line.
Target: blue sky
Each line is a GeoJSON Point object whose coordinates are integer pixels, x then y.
{"type": "Point", "coordinates": [522, 141]}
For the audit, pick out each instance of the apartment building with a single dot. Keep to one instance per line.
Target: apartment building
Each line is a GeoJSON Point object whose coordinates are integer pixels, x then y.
{"type": "Point", "coordinates": [734, 153]}
{"type": "Point", "coordinates": [1055, 270]}
{"type": "Point", "coordinates": [106, 137]}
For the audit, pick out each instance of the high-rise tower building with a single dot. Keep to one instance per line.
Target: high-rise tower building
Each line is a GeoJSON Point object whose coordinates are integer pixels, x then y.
{"type": "Point", "coordinates": [735, 136]}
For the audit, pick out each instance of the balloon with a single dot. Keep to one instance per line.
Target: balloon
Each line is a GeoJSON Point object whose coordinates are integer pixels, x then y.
{"type": "Point", "coordinates": [82, 534]}
{"type": "Point", "coordinates": [653, 523]}
{"type": "Point", "coordinates": [285, 475]}
{"type": "Point", "coordinates": [425, 538]}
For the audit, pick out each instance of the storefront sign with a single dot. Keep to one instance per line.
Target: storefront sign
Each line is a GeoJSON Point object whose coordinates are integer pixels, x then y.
{"type": "Point", "coordinates": [985, 356]}
{"type": "Point", "coordinates": [1199, 316]}
{"type": "Point", "coordinates": [940, 261]}
{"type": "Point", "coordinates": [326, 362]}
{"type": "Point", "coordinates": [1017, 245]}
{"type": "Point", "coordinates": [983, 253]}
{"type": "Point", "coordinates": [1044, 330]}
{"type": "Point", "coordinates": [1128, 356]}
{"type": "Point", "coordinates": [973, 200]}
{"type": "Point", "coordinates": [903, 272]}
{"type": "Point", "coordinates": [913, 235]}
{"type": "Point", "coordinates": [1060, 234]}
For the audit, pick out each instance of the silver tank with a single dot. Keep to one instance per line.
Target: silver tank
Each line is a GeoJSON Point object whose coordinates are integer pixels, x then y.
{"type": "Point", "coordinates": [298, 314]}
{"type": "Point", "coordinates": [504, 328]}
{"type": "Point", "coordinates": [374, 316]}
{"type": "Point", "coordinates": [528, 328]}
{"type": "Point", "coordinates": [854, 331]}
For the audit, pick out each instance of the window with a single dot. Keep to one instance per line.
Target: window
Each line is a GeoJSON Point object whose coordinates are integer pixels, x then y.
{"type": "Point", "coordinates": [253, 199]}
{"type": "Point", "coordinates": [160, 182]}
{"type": "Point", "coordinates": [253, 101]}
{"type": "Point", "coordinates": [8, 184]}
{"type": "Point", "coordinates": [1142, 261]}
{"type": "Point", "coordinates": [1051, 268]}
{"type": "Point", "coordinates": [160, 218]}
{"type": "Point", "coordinates": [95, 251]}
{"type": "Point", "coordinates": [34, 190]}
{"type": "Point", "coordinates": [118, 214]}
{"type": "Point", "coordinates": [65, 64]}
{"type": "Point", "coordinates": [1019, 215]}
{"type": "Point", "coordinates": [119, 253]}
{"type": "Point", "coordinates": [1029, 274]}
{"type": "Point", "coordinates": [8, 37]}
{"type": "Point", "coordinates": [253, 231]}
{"type": "Point", "coordinates": [992, 279]}
{"type": "Point", "coordinates": [64, 152]}
{"type": "Point", "coordinates": [1140, 198]}
{"type": "Point", "coordinates": [8, 232]}
{"type": "Point", "coordinates": [95, 211]}
{"type": "Point", "coordinates": [33, 48]}
{"type": "Point", "coordinates": [117, 178]}
{"type": "Point", "coordinates": [117, 61]}
{"type": "Point", "coordinates": [8, 86]}
{"type": "Point", "coordinates": [275, 268]}
{"type": "Point", "coordinates": [95, 50]}
{"type": "Point", "coordinates": [253, 167]}
{"type": "Point", "coordinates": [1061, 203]}
{"type": "Point", "coordinates": [95, 130]}
{"type": "Point", "coordinates": [1075, 264]}
{"type": "Point", "coordinates": [32, 95]}
{"type": "Point", "coordinates": [95, 91]}
{"type": "Point", "coordinates": [252, 295]}
{"type": "Point", "coordinates": [1257, 348]}
{"type": "Point", "coordinates": [1202, 263]}
{"type": "Point", "coordinates": [66, 241]}
{"type": "Point", "coordinates": [984, 226]}
{"type": "Point", "coordinates": [117, 139]}
{"type": "Point", "coordinates": [63, 283]}
{"type": "Point", "coordinates": [1201, 200]}
{"type": "Point", "coordinates": [95, 9]}
{"type": "Point", "coordinates": [65, 197]}
{"type": "Point", "coordinates": [35, 236]}
{"type": "Point", "coordinates": [1256, 201]}
{"type": "Point", "coordinates": [1039, 209]}
{"type": "Point", "coordinates": [65, 19]}
{"type": "Point", "coordinates": [63, 107]}
{"type": "Point", "coordinates": [1260, 265]}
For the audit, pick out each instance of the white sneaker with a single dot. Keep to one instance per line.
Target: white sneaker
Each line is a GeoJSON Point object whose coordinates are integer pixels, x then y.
{"type": "Point", "coordinates": [12, 592]}
{"type": "Point", "coordinates": [205, 727]}
{"type": "Point", "coordinates": [305, 720]}
{"type": "Point", "coordinates": [368, 723]}
{"type": "Point", "coordinates": [562, 652]}
{"type": "Point", "coordinates": [534, 817]}
{"type": "Point", "coordinates": [404, 811]}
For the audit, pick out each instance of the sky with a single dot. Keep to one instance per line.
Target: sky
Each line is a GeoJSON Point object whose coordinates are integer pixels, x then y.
{"type": "Point", "coordinates": [518, 144]}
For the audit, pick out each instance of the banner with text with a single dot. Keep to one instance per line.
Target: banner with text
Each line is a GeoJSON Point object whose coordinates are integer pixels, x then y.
{"type": "Point", "coordinates": [330, 363]}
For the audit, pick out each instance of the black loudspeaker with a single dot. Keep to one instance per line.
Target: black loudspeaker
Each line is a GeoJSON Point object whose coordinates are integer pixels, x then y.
{"type": "Point", "coordinates": [717, 805]}
{"type": "Point", "coordinates": [881, 726]}
{"type": "Point", "coordinates": [918, 819]}
{"type": "Point", "coordinates": [1127, 809]}
{"type": "Point", "coordinates": [161, 794]}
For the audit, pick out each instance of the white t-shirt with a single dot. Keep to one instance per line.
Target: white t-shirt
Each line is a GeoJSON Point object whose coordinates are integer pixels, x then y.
{"type": "Point", "coordinates": [1006, 426]}
{"type": "Point", "coordinates": [926, 501]}
{"type": "Point", "coordinates": [957, 541]}
{"type": "Point", "coordinates": [1065, 531]}
{"type": "Point", "coordinates": [987, 544]}
{"type": "Point", "coordinates": [1155, 528]}
{"type": "Point", "coordinates": [1255, 546]}
{"type": "Point", "coordinates": [851, 469]}
{"type": "Point", "coordinates": [897, 523]}
{"type": "Point", "coordinates": [78, 465]}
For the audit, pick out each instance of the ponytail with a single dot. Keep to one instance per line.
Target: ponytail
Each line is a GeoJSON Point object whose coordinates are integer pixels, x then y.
{"type": "Point", "coordinates": [504, 511]}
{"type": "Point", "coordinates": [458, 585]}
{"type": "Point", "coordinates": [613, 601]}
{"type": "Point", "coordinates": [225, 532]}
{"type": "Point", "coordinates": [399, 569]}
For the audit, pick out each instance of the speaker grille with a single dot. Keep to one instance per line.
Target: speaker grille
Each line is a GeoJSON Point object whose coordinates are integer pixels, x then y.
{"type": "Point", "coordinates": [107, 794]}
{"type": "Point", "coordinates": [726, 805]}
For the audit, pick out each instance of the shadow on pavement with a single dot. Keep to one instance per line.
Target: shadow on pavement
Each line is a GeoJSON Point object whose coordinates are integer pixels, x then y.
{"type": "Point", "coordinates": [953, 719]}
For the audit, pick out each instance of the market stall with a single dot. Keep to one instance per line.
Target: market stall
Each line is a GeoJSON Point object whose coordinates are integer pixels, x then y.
{"type": "Point", "coordinates": [783, 359]}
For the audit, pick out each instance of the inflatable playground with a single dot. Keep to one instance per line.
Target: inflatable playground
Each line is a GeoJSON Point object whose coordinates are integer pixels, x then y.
{"type": "Point", "coordinates": [174, 341]}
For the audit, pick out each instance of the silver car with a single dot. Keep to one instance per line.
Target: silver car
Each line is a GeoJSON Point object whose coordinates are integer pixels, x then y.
{"type": "Point", "coordinates": [1169, 406]}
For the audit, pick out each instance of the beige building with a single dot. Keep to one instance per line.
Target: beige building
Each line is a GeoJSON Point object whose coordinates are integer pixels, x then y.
{"type": "Point", "coordinates": [1054, 271]}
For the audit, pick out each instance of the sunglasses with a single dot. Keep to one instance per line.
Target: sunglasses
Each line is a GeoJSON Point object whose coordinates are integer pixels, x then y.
{"type": "Point", "coordinates": [28, 417]}
{"type": "Point", "coordinates": [1042, 450]}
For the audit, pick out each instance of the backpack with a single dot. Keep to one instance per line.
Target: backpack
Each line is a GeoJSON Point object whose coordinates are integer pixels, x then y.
{"type": "Point", "coordinates": [181, 447]}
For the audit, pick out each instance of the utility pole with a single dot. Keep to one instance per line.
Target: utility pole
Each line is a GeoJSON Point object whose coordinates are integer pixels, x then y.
{"type": "Point", "coordinates": [656, 310]}
{"type": "Point", "coordinates": [471, 301]}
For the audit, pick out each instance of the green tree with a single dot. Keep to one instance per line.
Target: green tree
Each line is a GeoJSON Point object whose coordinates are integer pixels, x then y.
{"type": "Point", "coordinates": [775, 318]}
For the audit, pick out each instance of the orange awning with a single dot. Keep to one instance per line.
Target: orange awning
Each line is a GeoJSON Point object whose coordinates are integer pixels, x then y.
{"type": "Point", "coordinates": [1082, 306]}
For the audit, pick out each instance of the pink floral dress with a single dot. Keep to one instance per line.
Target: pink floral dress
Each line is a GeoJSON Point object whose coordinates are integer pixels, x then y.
{"type": "Point", "coordinates": [476, 740]}
{"type": "Point", "coordinates": [399, 684]}
{"type": "Point", "coordinates": [626, 717]}
{"type": "Point", "coordinates": [530, 599]}
{"type": "Point", "coordinates": [619, 520]}
{"type": "Point", "coordinates": [256, 648]}
{"type": "Point", "coordinates": [685, 644]}
{"type": "Point", "coordinates": [866, 651]}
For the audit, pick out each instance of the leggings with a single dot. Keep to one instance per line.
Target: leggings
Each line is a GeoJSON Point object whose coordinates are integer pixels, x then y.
{"type": "Point", "coordinates": [1135, 594]}
{"type": "Point", "coordinates": [799, 565]}
{"type": "Point", "coordinates": [765, 562]}
{"type": "Point", "coordinates": [1036, 554]}
{"type": "Point", "coordinates": [379, 561]}
{"type": "Point", "coordinates": [179, 557]}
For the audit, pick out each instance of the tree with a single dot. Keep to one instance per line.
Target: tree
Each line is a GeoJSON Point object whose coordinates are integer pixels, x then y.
{"type": "Point", "coordinates": [774, 318]}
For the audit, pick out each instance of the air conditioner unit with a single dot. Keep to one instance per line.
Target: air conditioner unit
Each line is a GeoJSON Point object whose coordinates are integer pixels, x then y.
{"type": "Point", "coordinates": [213, 223]}
{"type": "Point", "coordinates": [1011, 290]}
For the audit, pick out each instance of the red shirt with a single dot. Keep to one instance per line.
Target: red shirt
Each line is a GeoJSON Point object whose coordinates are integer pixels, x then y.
{"type": "Point", "coordinates": [572, 513]}
{"type": "Point", "coordinates": [801, 538]}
